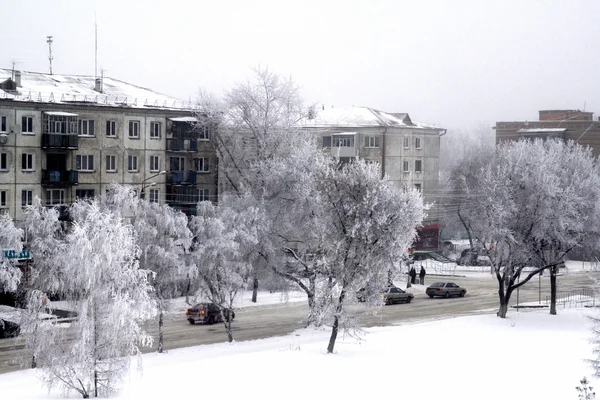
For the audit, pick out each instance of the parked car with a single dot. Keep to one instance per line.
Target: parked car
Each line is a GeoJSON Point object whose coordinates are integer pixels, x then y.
{"type": "Point", "coordinates": [206, 313]}
{"type": "Point", "coordinates": [9, 322]}
{"type": "Point", "coordinates": [394, 294]}
{"type": "Point", "coordinates": [445, 289]}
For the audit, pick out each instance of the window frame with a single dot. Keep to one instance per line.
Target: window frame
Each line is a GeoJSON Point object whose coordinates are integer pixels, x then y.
{"type": "Point", "coordinates": [62, 197]}
{"type": "Point", "coordinates": [28, 197]}
{"type": "Point", "coordinates": [372, 142]}
{"type": "Point", "coordinates": [406, 143]}
{"type": "Point", "coordinates": [87, 125]}
{"type": "Point", "coordinates": [420, 166]}
{"type": "Point", "coordinates": [180, 163]}
{"type": "Point", "coordinates": [205, 161]}
{"type": "Point", "coordinates": [3, 123]}
{"type": "Point", "coordinates": [405, 166]}
{"type": "Point", "coordinates": [153, 195]}
{"type": "Point", "coordinates": [154, 160]}
{"type": "Point", "coordinates": [343, 141]}
{"type": "Point", "coordinates": [32, 167]}
{"type": "Point", "coordinates": [203, 194]}
{"type": "Point", "coordinates": [89, 162]}
{"type": "Point", "coordinates": [328, 140]}
{"type": "Point", "coordinates": [130, 159]}
{"type": "Point", "coordinates": [154, 132]}
{"type": "Point", "coordinates": [205, 133]}
{"type": "Point", "coordinates": [418, 143]}
{"type": "Point", "coordinates": [77, 191]}
{"type": "Point", "coordinates": [134, 123]}
{"type": "Point", "coordinates": [419, 187]}
{"type": "Point", "coordinates": [111, 128]}
{"type": "Point", "coordinates": [113, 158]}
{"type": "Point", "coordinates": [4, 160]}
{"type": "Point", "coordinates": [3, 198]}
{"type": "Point", "coordinates": [27, 128]}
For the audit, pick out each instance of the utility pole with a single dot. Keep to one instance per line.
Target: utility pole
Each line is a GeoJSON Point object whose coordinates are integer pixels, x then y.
{"type": "Point", "coordinates": [49, 41]}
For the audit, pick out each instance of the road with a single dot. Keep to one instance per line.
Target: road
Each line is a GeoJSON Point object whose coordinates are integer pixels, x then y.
{"type": "Point", "coordinates": [274, 320]}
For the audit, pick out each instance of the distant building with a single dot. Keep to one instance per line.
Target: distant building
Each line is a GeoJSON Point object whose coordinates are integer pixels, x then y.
{"type": "Point", "coordinates": [64, 137]}
{"type": "Point", "coordinates": [564, 124]}
{"type": "Point", "coordinates": [408, 152]}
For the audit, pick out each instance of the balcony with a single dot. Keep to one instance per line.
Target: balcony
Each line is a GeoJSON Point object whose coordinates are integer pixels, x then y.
{"type": "Point", "coordinates": [181, 178]}
{"type": "Point", "coordinates": [60, 141]}
{"type": "Point", "coordinates": [59, 178]}
{"type": "Point", "coordinates": [63, 211]}
{"type": "Point", "coordinates": [177, 145]}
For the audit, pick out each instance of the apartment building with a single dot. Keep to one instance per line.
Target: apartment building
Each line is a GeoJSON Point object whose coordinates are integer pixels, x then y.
{"type": "Point", "coordinates": [563, 124]}
{"type": "Point", "coordinates": [407, 151]}
{"type": "Point", "coordinates": [64, 137]}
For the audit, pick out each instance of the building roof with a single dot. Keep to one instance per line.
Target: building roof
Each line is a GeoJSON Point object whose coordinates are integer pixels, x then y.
{"type": "Point", "coordinates": [541, 130]}
{"type": "Point", "coordinates": [360, 117]}
{"type": "Point", "coordinates": [79, 89]}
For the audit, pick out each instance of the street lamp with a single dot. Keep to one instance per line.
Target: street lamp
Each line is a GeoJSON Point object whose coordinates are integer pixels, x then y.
{"type": "Point", "coordinates": [145, 185]}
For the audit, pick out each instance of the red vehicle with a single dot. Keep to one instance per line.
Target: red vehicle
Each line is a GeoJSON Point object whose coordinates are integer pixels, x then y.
{"type": "Point", "coordinates": [206, 313]}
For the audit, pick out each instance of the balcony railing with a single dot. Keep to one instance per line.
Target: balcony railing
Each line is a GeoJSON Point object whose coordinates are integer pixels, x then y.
{"type": "Point", "coordinates": [53, 177]}
{"type": "Point", "coordinates": [181, 178]}
{"type": "Point", "coordinates": [60, 141]}
{"type": "Point", "coordinates": [190, 145]}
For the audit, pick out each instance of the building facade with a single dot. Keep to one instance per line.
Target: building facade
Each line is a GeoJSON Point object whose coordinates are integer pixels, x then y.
{"type": "Point", "coordinates": [563, 124]}
{"type": "Point", "coordinates": [407, 152]}
{"type": "Point", "coordinates": [67, 137]}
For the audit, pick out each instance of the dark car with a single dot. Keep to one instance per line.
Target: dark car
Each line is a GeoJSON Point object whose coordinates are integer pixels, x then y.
{"type": "Point", "coordinates": [9, 328]}
{"type": "Point", "coordinates": [445, 289]}
{"type": "Point", "coordinates": [206, 313]}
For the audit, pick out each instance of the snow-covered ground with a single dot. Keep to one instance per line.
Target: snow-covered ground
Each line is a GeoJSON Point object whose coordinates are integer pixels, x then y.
{"type": "Point", "coordinates": [530, 355]}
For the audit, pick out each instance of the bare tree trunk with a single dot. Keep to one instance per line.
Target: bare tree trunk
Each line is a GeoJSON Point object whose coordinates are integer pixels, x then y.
{"type": "Point", "coordinates": [464, 223]}
{"type": "Point", "coordinates": [336, 319]}
{"type": "Point", "coordinates": [254, 288]}
{"type": "Point", "coordinates": [504, 299]}
{"type": "Point", "coordinates": [160, 332]}
{"type": "Point", "coordinates": [553, 271]}
{"type": "Point", "coordinates": [95, 321]}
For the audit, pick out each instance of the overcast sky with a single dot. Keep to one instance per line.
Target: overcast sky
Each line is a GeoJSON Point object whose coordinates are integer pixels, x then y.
{"type": "Point", "coordinates": [458, 64]}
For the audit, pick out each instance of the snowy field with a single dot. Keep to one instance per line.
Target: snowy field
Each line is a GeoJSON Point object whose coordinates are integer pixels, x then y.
{"type": "Point", "coordinates": [530, 355]}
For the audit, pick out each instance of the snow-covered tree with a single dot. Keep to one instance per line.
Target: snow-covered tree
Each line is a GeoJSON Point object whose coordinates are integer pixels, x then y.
{"type": "Point", "coordinates": [224, 236]}
{"type": "Point", "coordinates": [530, 205]}
{"type": "Point", "coordinates": [36, 325]}
{"type": "Point", "coordinates": [365, 222]}
{"type": "Point", "coordinates": [111, 296]}
{"type": "Point", "coordinates": [10, 239]}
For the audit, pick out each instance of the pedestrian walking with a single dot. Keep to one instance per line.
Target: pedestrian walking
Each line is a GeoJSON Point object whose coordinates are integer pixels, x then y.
{"type": "Point", "coordinates": [422, 273]}
{"type": "Point", "coordinates": [413, 275]}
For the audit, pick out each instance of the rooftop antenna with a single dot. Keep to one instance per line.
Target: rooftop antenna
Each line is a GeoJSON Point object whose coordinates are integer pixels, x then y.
{"type": "Point", "coordinates": [49, 41]}
{"type": "Point", "coordinates": [95, 47]}
{"type": "Point", "coordinates": [14, 62]}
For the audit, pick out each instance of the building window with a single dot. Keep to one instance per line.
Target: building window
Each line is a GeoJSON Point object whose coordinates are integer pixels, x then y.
{"type": "Point", "coordinates": [111, 128]}
{"type": "Point", "coordinates": [55, 197]}
{"type": "Point", "coordinates": [405, 166]}
{"type": "Point", "coordinates": [326, 141]}
{"type": "Point", "coordinates": [202, 164]}
{"type": "Point", "coordinates": [406, 142]}
{"type": "Point", "coordinates": [418, 166]}
{"type": "Point", "coordinates": [3, 123]}
{"type": "Point", "coordinates": [84, 163]}
{"type": "Point", "coordinates": [27, 124]}
{"type": "Point", "coordinates": [417, 143]}
{"type": "Point", "coordinates": [418, 187]}
{"type": "Point", "coordinates": [203, 195]}
{"type": "Point", "coordinates": [177, 163]}
{"type": "Point", "coordinates": [26, 198]}
{"type": "Point", "coordinates": [153, 195]}
{"type": "Point", "coordinates": [83, 194]}
{"type": "Point", "coordinates": [134, 129]}
{"type": "Point", "coordinates": [154, 163]}
{"type": "Point", "coordinates": [155, 130]}
{"type": "Point", "coordinates": [28, 162]}
{"type": "Point", "coordinates": [204, 133]}
{"type": "Point", "coordinates": [341, 141]}
{"type": "Point", "coordinates": [111, 164]}
{"type": "Point", "coordinates": [371, 141]}
{"type": "Point", "coordinates": [86, 127]}
{"type": "Point", "coordinates": [3, 198]}
{"type": "Point", "coordinates": [132, 164]}
{"type": "Point", "coordinates": [3, 161]}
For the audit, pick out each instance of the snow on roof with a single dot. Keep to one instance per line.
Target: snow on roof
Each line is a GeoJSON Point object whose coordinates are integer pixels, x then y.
{"type": "Point", "coordinates": [541, 130]}
{"type": "Point", "coordinates": [361, 117]}
{"type": "Point", "coordinates": [76, 89]}
{"type": "Point", "coordinates": [343, 133]}
{"type": "Point", "coordinates": [184, 119]}
{"type": "Point", "coordinates": [61, 113]}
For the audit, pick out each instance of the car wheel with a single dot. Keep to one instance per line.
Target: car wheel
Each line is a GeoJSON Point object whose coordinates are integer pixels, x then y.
{"type": "Point", "coordinates": [462, 294]}
{"type": "Point", "coordinates": [408, 299]}
{"type": "Point", "coordinates": [211, 320]}
{"type": "Point", "coordinates": [447, 294]}
{"type": "Point", "coordinates": [191, 321]}
{"type": "Point", "coordinates": [389, 302]}
{"type": "Point", "coordinates": [430, 296]}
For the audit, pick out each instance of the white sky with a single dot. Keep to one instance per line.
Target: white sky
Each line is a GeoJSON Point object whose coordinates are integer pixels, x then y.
{"type": "Point", "coordinates": [454, 63]}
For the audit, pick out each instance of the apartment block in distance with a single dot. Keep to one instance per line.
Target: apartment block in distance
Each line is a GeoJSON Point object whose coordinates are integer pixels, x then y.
{"type": "Point", "coordinates": [407, 152]}
{"type": "Point", "coordinates": [64, 137]}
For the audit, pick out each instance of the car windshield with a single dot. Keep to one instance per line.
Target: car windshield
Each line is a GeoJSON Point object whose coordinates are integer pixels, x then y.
{"type": "Point", "coordinates": [438, 284]}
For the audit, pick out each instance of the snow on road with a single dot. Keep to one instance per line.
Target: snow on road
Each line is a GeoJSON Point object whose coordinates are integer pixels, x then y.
{"type": "Point", "coordinates": [529, 355]}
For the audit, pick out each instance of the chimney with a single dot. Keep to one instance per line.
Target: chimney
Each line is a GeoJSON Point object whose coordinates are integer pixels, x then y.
{"type": "Point", "coordinates": [98, 87]}
{"type": "Point", "coordinates": [18, 78]}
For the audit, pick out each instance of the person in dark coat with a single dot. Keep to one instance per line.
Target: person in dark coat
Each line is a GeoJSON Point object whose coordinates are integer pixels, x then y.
{"type": "Point", "coordinates": [413, 275]}
{"type": "Point", "coordinates": [422, 275]}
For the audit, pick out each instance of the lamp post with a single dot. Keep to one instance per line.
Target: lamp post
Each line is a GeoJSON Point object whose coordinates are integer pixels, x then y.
{"type": "Point", "coordinates": [145, 185]}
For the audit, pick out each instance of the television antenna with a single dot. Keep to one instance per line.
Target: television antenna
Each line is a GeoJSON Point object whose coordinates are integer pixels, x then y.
{"type": "Point", "coordinates": [49, 41]}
